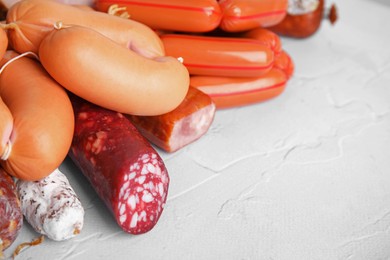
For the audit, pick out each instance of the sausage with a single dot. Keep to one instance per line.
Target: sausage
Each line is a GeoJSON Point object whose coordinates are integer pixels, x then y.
{"type": "Point", "coordinates": [266, 37]}
{"type": "Point", "coordinates": [28, 21]}
{"type": "Point", "coordinates": [285, 63]}
{"type": "Point", "coordinates": [228, 92]}
{"type": "Point", "coordinates": [43, 118]}
{"type": "Point", "coordinates": [124, 169]}
{"type": "Point", "coordinates": [303, 18]}
{"type": "Point", "coordinates": [11, 217]}
{"type": "Point", "coordinates": [242, 15]}
{"type": "Point", "coordinates": [3, 42]}
{"type": "Point", "coordinates": [51, 206]}
{"type": "Point", "coordinates": [175, 15]}
{"type": "Point", "coordinates": [6, 126]}
{"type": "Point", "coordinates": [180, 127]}
{"type": "Point", "coordinates": [130, 83]}
{"type": "Point", "coordinates": [219, 56]}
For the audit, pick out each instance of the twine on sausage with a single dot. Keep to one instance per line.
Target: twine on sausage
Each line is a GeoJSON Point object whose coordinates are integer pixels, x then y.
{"type": "Point", "coordinates": [18, 57]}
{"type": "Point", "coordinates": [7, 151]}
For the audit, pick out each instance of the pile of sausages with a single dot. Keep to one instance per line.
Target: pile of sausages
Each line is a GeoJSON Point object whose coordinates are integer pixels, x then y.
{"type": "Point", "coordinates": [108, 84]}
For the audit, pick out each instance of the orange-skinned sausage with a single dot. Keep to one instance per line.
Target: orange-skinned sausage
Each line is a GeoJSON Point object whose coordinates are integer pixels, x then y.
{"type": "Point", "coordinates": [43, 118]}
{"type": "Point", "coordinates": [266, 37]}
{"type": "Point", "coordinates": [220, 56]}
{"type": "Point", "coordinates": [175, 15]}
{"type": "Point", "coordinates": [77, 56]}
{"type": "Point", "coordinates": [3, 42]}
{"type": "Point", "coordinates": [6, 125]}
{"type": "Point", "coordinates": [242, 15]}
{"type": "Point", "coordinates": [285, 63]}
{"type": "Point", "coordinates": [30, 20]}
{"type": "Point", "coordinates": [228, 92]}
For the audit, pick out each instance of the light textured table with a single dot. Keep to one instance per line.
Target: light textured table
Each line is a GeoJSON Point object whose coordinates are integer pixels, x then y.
{"type": "Point", "coordinates": [304, 176]}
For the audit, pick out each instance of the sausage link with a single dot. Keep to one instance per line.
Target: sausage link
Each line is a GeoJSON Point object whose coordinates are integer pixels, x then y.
{"type": "Point", "coordinates": [29, 21]}
{"type": "Point", "coordinates": [174, 15]}
{"type": "Point", "coordinates": [180, 127]}
{"type": "Point", "coordinates": [124, 169]}
{"type": "Point", "coordinates": [220, 56]}
{"type": "Point", "coordinates": [51, 206]}
{"type": "Point", "coordinates": [242, 15]}
{"type": "Point", "coordinates": [11, 217]}
{"type": "Point", "coordinates": [43, 118]}
{"type": "Point", "coordinates": [228, 92]}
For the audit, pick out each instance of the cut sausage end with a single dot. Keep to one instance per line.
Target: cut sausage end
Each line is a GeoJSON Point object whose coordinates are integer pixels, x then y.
{"type": "Point", "coordinates": [142, 195]}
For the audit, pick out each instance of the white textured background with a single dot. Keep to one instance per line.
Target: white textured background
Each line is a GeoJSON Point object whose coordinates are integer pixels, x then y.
{"type": "Point", "coordinates": [304, 176]}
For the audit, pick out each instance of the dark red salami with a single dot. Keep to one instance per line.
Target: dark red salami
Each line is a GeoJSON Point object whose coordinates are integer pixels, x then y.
{"type": "Point", "coordinates": [11, 217]}
{"type": "Point", "coordinates": [180, 127]}
{"type": "Point", "coordinates": [124, 169]}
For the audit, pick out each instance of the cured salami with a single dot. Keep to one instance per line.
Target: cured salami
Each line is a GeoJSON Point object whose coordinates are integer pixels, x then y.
{"type": "Point", "coordinates": [122, 166]}
{"type": "Point", "coordinates": [11, 217]}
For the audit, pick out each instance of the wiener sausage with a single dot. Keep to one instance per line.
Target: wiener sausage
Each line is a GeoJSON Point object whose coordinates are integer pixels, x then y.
{"type": "Point", "coordinates": [121, 165]}
{"type": "Point", "coordinates": [174, 15]}
{"type": "Point", "coordinates": [43, 118]}
{"type": "Point", "coordinates": [266, 37]}
{"type": "Point", "coordinates": [228, 92]}
{"type": "Point", "coordinates": [219, 56]}
{"type": "Point", "coordinates": [11, 217]}
{"type": "Point", "coordinates": [130, 83]}
{"type": "Point", "coordinates": [242, 15]}
{"type": "Point", "coordinates": [29, 21]}
{"type": "Point", "coordinates": [180, 127]}
{"type": "Point", "coordinates": [51, 206]}
{"type": "Point", "coordinates": [303, 18]}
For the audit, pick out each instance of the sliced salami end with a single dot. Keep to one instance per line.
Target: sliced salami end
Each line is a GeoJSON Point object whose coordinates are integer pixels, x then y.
{"type": "Point", "coordinates": [124, 169]}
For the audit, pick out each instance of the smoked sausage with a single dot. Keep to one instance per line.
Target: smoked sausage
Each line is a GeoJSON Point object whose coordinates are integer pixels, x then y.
{"type": "Point", "coordinates": [285, 63]}
{"type": "Point", "coordinates": [304, 18]}
{"type": "Point", "coordinates": [43, 118]}
{"type": "Point", "coordinates": [121, 165]}
{"type": "Point", "coordinates": [173, 15]}
{"type": "Point", "coordinates": [266, 37]}
{"type": "Point", "coordinates": [180, 127]}
{"type": "Point", "coordinates": [228, 92]}
{"type": "Point", "coordinates": [219, 56]}
{"type": "Point", "coordinates": [242, 15]}
{"type": "Point", "coordinates": [28, 21]}
{"type": "Point", "coordinates": [11, 217]}
{"type": "Point", "coordinates": [130, 83]}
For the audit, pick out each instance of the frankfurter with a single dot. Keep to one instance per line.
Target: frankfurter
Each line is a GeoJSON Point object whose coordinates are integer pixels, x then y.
{"type": "Point", "coordinates": [174, 15]}
{"type": "Point", "coordinates": [51, 206]}
{"type": "Point", "coordinates": [11, 217]}
{"type": "Point", "coordinates": [219, 56]}
{"type": "Point", "coordinates": [228, 92]}
{"type": "Point", "coordinates": [29, 21]}
{"type": "Point", "coordinates": [43, 118]}
{"type": "Point", "coordinates": [124, 169]}
{"type": "Point", "coordinates": [266, 37]}
{"type": "Point", "coordinates": [304, 18]}
{"type": "Point", "coordinates": [131, 83]}
{"type": "Point", "coordinates": [180, 127]}
{"type": "Point", "coordinates": [242, 15]}
{"type": "Point", "coordinates": [284, 62]}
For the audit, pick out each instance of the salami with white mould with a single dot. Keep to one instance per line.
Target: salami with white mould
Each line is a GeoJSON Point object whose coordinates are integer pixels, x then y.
{"type": "Point", "coordinates": [121, 165]}
{"type": "Point", "coordinates": [51, 206]}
